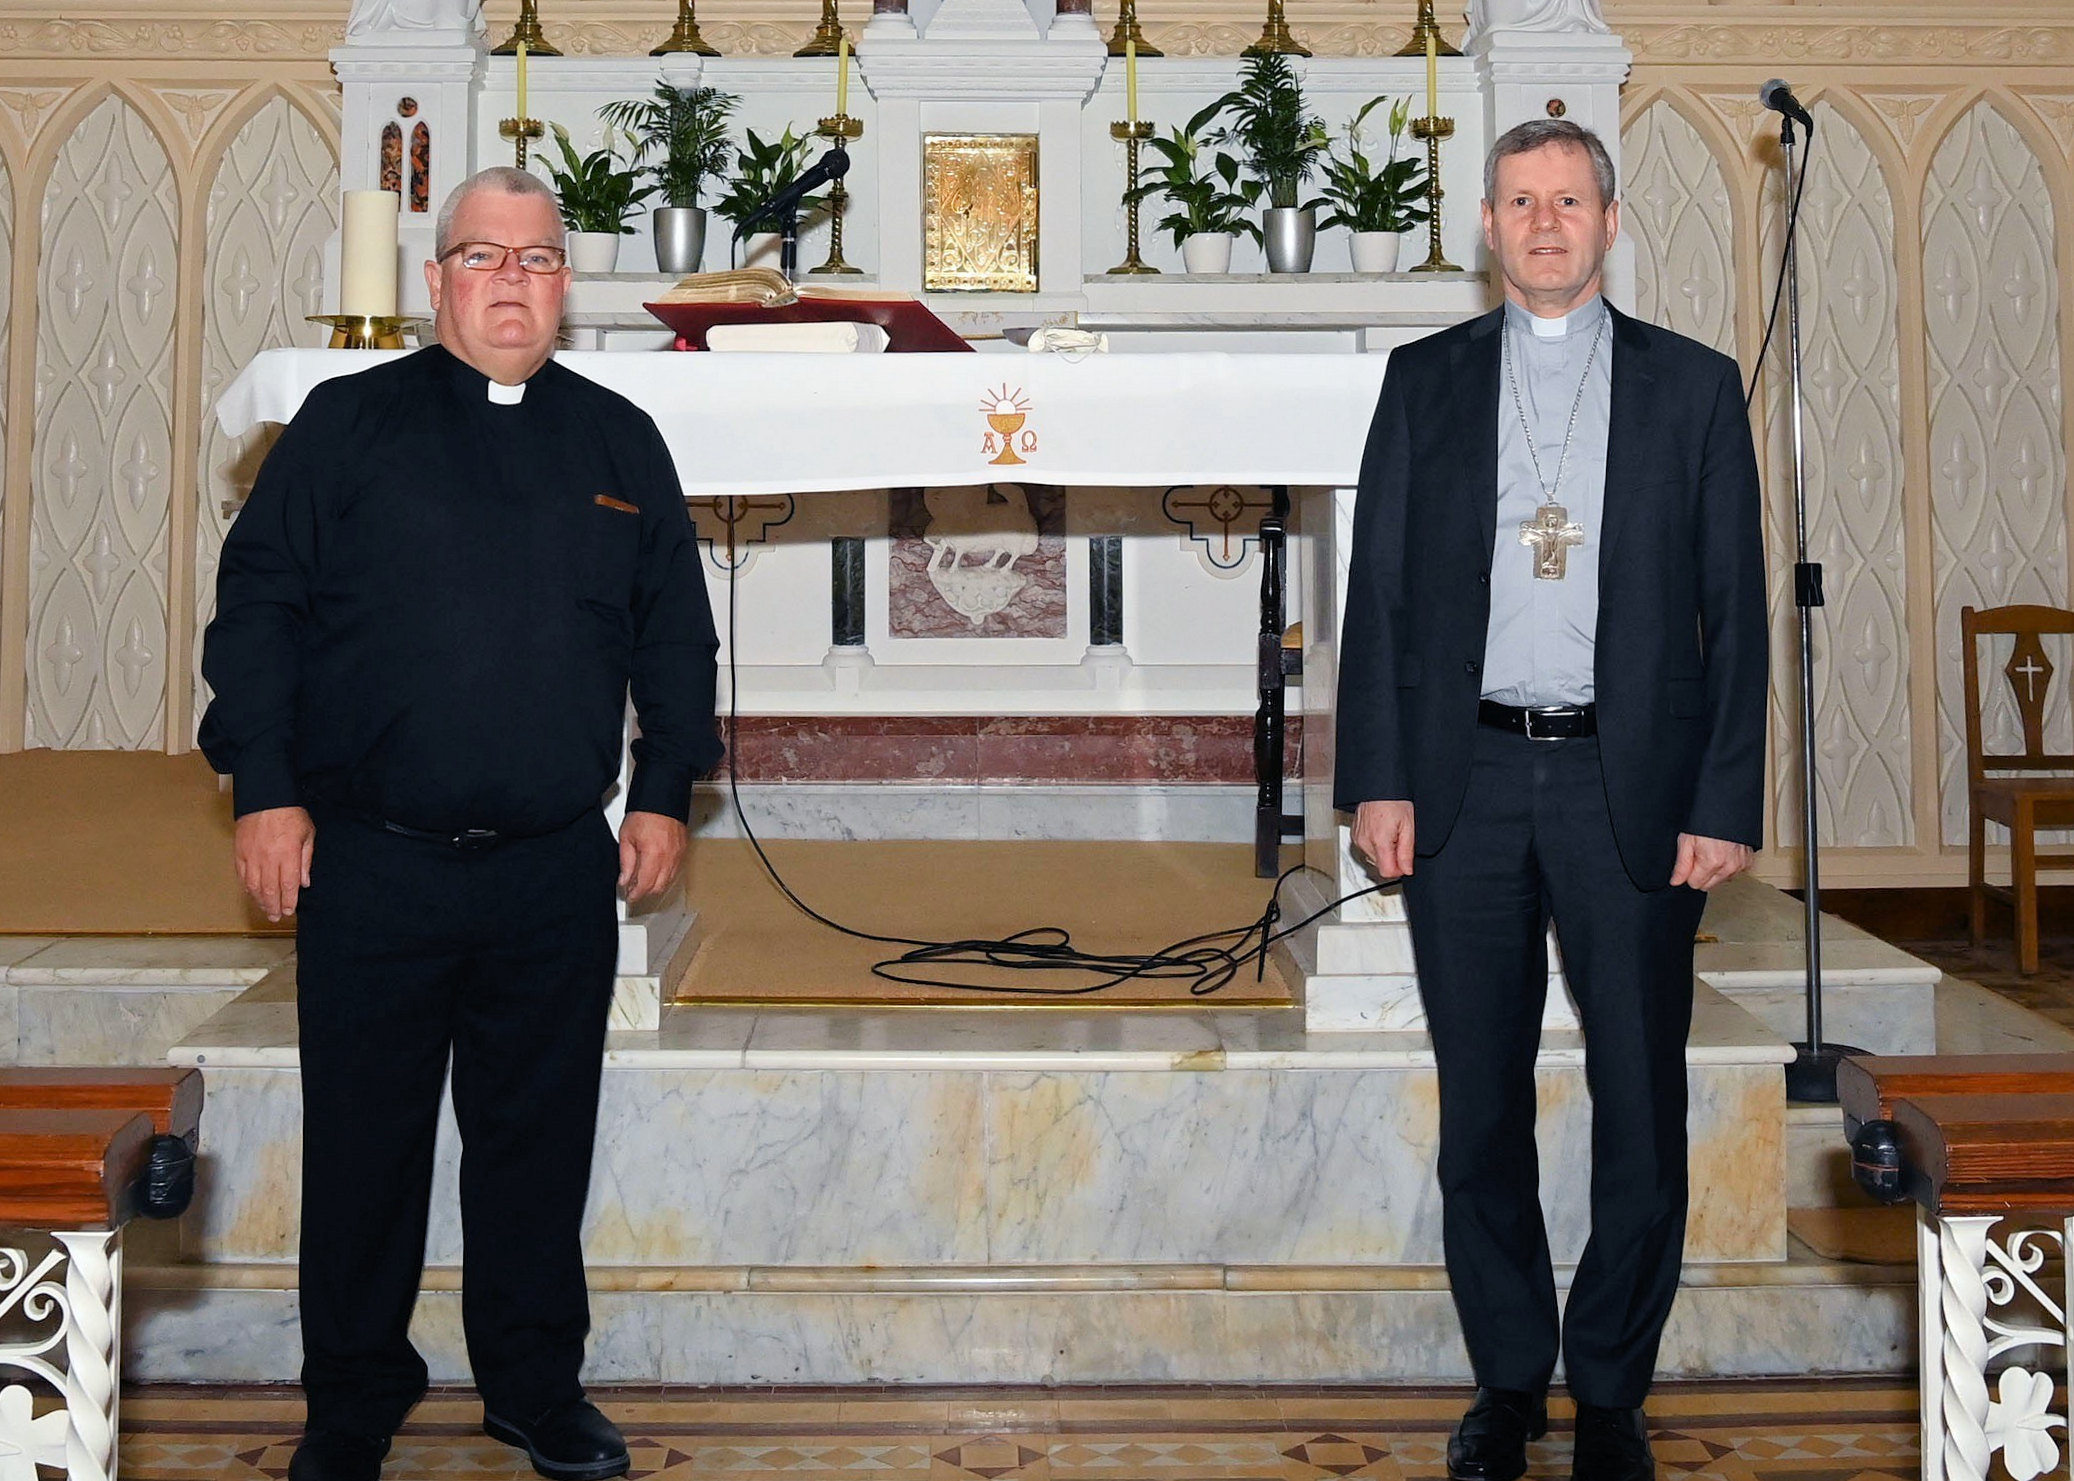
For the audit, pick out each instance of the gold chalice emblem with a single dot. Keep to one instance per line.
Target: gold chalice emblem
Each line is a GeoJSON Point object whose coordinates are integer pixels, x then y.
{"type": "Point", "coordinates": [1006, 412]}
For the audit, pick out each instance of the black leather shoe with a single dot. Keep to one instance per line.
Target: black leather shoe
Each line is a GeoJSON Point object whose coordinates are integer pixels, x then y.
{"type": "Point", "coordinates": [1612, 1445]}
{"type": "Point", "coordinates": [1490, 1444]}
{"type": "Point", "coordinates": [570, 1442]}
{"type": "Point", "coordinates": [331, 1455]}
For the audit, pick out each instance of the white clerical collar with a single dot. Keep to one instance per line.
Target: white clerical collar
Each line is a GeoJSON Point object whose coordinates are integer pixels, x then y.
{"type": "Point", "coordinates": [1584, 316]}
{"type": "Point", "coordinates": [502, 395]}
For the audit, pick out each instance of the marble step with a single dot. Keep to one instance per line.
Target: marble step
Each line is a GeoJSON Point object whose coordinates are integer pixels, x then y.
{"type": "Point", "coordinates": [1008, 1138]}
{"type": "Point", "coordinates": [1096, 1324]}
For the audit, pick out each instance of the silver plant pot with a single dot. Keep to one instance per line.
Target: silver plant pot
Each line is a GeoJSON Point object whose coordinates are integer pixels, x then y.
{"type": "Point", "coordinates": [1292, 235]}
{"type": "Point", "coordinates": [680, 238]}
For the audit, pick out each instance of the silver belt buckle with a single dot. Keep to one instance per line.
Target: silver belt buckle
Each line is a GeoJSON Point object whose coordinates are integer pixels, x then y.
{"type": "Point", "coordinates": [1531, 716]}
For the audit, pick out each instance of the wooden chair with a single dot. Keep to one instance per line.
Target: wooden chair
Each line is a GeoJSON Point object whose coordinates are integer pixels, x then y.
{"type": "Point", "coordinates": [2040, 795]}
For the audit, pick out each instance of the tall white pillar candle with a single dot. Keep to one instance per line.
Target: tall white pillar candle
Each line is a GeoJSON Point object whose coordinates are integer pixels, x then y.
{"type": "Point", "coordinates": [367, 253]}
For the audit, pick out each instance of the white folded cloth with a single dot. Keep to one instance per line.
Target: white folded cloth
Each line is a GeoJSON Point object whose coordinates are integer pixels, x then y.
{"type": "Point", "coordinates": [798, 339]}
{"type": "Point", "coordinates": [1056, 339]}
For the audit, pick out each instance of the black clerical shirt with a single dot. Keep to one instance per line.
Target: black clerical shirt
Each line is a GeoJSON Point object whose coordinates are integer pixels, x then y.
{"type": "Point", "coordinates": [431, 608]}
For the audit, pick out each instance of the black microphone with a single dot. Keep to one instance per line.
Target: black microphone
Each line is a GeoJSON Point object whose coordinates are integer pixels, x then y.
{"type": "Point", "coordinates": [1778, 97]}
{"type": "Point", "coordinates": [829, 168]}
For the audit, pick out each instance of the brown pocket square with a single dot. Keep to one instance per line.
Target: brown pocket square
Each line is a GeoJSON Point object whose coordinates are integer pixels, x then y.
{"type": "Point", "coordinates": [620, 504]}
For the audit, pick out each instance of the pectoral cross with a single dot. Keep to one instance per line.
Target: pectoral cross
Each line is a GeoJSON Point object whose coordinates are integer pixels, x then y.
{"type": "Point", "coordinates": [1551, 533]}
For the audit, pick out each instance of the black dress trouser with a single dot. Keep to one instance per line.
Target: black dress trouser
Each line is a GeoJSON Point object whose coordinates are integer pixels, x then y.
{"type": "Point", "coordinates": [1533, 840]}
{"type": "Point", "coordinates": [411, 953]}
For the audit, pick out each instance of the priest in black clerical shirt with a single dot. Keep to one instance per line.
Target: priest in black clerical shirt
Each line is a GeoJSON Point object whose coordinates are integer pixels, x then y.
{"type": "Point", "coordinates": [452, 569]}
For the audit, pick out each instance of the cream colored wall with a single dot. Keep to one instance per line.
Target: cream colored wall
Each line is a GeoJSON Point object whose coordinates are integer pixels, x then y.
{"type": "Point", "coordinates": [167, 179]}
{"type": "Point", "coordinates": [169, 184]}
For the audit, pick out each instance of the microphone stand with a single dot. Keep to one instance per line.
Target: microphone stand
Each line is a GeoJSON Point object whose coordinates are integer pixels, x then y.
{"type": "Point", "coordinates": [788, 245]}
{"type": "Point", "coordinates": [1811, 1076]}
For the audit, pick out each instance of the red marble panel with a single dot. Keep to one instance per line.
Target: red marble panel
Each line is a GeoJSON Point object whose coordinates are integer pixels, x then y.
{"type": "Point", "coordinates": [858, 748]}
{"type": "Point", "coordinates": [956, 750]}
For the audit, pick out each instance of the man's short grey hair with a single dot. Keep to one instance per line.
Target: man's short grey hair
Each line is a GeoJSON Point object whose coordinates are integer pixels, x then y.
{"type": "Point", "coordinates": [1539, 133]}
{"type": "Point", "coordinates": [496, 177]}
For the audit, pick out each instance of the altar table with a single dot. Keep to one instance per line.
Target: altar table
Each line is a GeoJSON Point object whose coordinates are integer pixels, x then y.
{"type": "Point", "coordinates": [791, 424]}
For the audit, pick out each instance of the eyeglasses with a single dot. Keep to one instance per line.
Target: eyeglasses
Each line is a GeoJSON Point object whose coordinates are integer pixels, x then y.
{"type": "Point", "coordinates": [490, 257]}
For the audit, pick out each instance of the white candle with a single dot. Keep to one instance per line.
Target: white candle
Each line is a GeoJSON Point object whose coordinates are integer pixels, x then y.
{"type": "Point", "coordinates": [367, 253]}
{"type": "Point", "coordinates": [1432, 72]}
{"type": "Point", "coordinates": [522, 79]}
{"type": "Point", "coordinates": [842, 75]}
{"type": "Point", "coordinates": [1130, 76]}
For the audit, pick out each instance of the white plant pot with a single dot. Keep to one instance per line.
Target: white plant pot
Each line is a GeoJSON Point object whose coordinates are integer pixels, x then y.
{"type": "Point", "coordinates": [761, 249]}
{"type": "Point", "coordinates": [593, 251]}
{"type": "Point", "coordinates": [1207, 252]}
{"type": "Point", "coordinates": [1375, 251]}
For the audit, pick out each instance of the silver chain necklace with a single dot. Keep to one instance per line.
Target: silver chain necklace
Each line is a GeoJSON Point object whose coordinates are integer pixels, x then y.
{"type": "Point", "coordinates": [1548, 490]}
{"type": "Point", "coordinates": [1551, 534]}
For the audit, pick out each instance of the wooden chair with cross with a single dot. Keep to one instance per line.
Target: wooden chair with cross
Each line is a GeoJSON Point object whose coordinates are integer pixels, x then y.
{"type": "Point", "coordinates": [2039, 794]}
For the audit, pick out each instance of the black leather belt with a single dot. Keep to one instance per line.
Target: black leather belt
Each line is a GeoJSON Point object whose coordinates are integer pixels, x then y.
{"type": "Point", "coordinates": [1540, 722]}
{"type": "Point", "coordinates": [466, 839]}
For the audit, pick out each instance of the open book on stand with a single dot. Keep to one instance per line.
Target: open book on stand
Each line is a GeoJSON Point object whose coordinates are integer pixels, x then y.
{"type": "Point", "coordinates": [762, 295]}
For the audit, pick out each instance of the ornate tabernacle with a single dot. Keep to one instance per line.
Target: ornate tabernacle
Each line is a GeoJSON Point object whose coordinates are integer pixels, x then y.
{"type": "Point", "coordinates": [979, 213]}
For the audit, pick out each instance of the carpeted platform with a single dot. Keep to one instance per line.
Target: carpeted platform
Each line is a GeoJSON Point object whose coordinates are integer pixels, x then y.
{"type": "Point", "coordinates": [124, 843]}
{"type": "Point", "coordinates": [133, 843]}
{"type": "Point", "coordinates": [756, 947]}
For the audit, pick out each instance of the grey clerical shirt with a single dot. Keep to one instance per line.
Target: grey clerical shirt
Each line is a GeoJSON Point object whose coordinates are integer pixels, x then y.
{"type": "Point", "coordinates": [1539, 647]}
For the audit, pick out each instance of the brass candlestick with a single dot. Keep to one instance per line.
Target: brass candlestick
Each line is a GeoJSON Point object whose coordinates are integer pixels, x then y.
{"type": "Point", "coordinates": [828, 35]}
{"type": "Point", "coordinates": [686, 36]}
{"type": "Point", "coordinates": [1127, 26]}
{"type": "Point", "coordinates": [1416, 47]}
{"type": "Point", "coordinates": [1276, 36]}
{"type": "Point", "coordinates": [842, 129]}
{"type": "Point", "coordinates": [528, 31]}
{"type": "Point", "coordinates": [1433, 130]}
{"type": "Point", "coordinates": [519, 131]}
{"type": "Point", "coordinates": [366, 331]}
{"type": "Point", "coordinates": [1133, 132]}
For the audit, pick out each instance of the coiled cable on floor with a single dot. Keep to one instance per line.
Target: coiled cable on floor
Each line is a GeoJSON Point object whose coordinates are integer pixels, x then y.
{"type": "Point", "coordinates": [1207, 963]}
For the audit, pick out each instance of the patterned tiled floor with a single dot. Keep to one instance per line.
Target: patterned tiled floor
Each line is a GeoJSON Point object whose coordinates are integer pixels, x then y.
{"type": "Point", "coordinates": [1831, 1431]}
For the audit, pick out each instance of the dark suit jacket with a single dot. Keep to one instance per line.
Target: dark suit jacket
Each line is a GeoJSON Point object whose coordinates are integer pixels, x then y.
{"type": "Point", "coordinates": [1680, 660]}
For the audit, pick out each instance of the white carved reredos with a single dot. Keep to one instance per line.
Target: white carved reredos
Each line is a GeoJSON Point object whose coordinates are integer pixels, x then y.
{"type": "Point", "coordinates": [1544, 16]}
{"type": "Point", "coordinates": [419, 20]}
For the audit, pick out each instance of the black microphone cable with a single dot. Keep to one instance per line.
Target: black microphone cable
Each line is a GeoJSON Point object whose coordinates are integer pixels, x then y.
{"type": "Point", "coordinates": [1771, 318]}
{"type": "Point", "coordinates": [1207, 963]}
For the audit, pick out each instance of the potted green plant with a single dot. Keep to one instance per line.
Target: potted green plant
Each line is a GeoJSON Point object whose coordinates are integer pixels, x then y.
{"type": "Point", "coordinates": [1212, 200]}
{"type": "Point", "coordinates": [762, 169]}
{"type": "Point", "coordinates": [1375, 203]}
{"type": "Point", "coordinates": [681, 134]}
{"type": "Point", "coordinates": [597, 193]}
{"type": "Point", "coordinates": [1280, 142]}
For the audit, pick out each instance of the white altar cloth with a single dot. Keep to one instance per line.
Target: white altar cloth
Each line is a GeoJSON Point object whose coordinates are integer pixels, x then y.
{"type": "Point", "coordinates": [788, 424]}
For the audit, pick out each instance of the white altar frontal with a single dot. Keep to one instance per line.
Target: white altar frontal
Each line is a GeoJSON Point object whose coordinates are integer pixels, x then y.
{"type": "Point", "coordinates": [1056, 1196]}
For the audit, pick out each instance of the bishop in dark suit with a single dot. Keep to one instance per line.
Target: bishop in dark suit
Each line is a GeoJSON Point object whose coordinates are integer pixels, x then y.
{"type": "Point", "coordinates": [1551, 707]}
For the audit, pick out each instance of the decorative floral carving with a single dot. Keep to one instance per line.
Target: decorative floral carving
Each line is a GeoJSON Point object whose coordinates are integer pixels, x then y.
{"type": "Point", "coordinates": [1850, 43]}
{"type": "Point", "coordinates": [27, 1442]}
{"type": "Point", "coordinates": [66, 37]}
{"type": "Point", "coordinates": [2020, 1423]}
